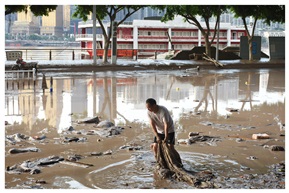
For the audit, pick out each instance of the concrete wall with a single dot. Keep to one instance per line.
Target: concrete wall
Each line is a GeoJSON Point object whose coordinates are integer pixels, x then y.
{"type": "Point", "coordinates": [256, 48]}
{"type": "Point", "coordinates": [277, 47]}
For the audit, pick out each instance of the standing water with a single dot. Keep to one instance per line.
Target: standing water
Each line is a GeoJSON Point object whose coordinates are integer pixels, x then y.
{"type": "Point", "coordinates": [228, 106]}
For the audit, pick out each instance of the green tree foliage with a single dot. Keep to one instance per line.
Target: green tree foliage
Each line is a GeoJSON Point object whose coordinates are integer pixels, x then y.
{"type": "Point", "coordinates": [34, 37]}
{"type": "Point", "coordinates": [191, 13]}
{"type": "Point", "coordinates": [267, 13]}
{"type": "Point", "coordinates": [37, 10]}
{"type": "Point", "coordinates": [82, 11]}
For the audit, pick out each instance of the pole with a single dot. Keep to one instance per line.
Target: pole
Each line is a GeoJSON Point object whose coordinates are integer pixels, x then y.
{"type": "Point", "coordinates": [218, 36]}
{"type": "Point", "coordinates": [94, 33]}
{"type": "Point", "coordinates": [113, 42]}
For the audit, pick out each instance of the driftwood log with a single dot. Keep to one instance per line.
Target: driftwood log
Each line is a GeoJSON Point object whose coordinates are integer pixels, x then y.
{"type": "Point", "coordinates": [170, 165]}
{"type": "Point", "coordinates": [208, 58]}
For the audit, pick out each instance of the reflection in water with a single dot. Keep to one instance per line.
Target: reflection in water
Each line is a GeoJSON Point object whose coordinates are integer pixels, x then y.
{"type": "Point", "coordinates": [121, 97]}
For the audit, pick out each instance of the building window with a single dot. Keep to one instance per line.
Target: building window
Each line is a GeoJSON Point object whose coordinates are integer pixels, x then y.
{"type": "Point", "coordinates": [149, 33]}
{"type": "Point", "coordinates": [234, 35]}
{"type": "Point", "coordinates": [240, 34]}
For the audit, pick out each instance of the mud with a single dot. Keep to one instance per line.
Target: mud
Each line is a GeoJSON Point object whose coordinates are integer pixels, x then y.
{"type": "Point", "coordinates": [199, 102]}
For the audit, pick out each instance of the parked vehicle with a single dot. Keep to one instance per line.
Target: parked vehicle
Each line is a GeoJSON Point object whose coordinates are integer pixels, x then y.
{"type": "Point", "coordinates": [22, 65]}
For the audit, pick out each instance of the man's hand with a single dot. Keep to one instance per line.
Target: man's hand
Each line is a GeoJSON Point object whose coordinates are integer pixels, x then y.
{"type": "Point", "coordinates": [165, 139]}
{"type": "Point", "coordinates": [158, 139]}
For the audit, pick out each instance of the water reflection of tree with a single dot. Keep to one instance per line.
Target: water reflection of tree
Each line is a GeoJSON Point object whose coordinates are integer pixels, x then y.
{"type": "Point", "coordinates": [248, 97]}
{"type": "Point", "coordinates": [207, 81]}
{"type": "Point", "coordinates": [106, 97]}
{"type": "Point", "coordinates": [110, 100]}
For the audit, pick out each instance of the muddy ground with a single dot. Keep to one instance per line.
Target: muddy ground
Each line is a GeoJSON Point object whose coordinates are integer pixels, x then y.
{"type": "Point", "coordinates": [124, 160]}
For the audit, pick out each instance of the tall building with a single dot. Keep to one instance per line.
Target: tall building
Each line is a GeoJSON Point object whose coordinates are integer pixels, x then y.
{"type": "Point", "coordinates": [53, 23]}
{"type": "Point", "coordinates": [66, 18]}
{"type": "Point", "coordinates": [26, 24]}
{"type": "Point", "coordinates": [9, 20]}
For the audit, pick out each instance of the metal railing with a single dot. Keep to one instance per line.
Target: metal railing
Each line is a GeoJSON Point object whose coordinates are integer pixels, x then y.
{"type": "Point", "coordinates": [49, 54]}
{"type": "Point", "coordinates": [17, 74]}
{"type": "Point", "coordinates": [81, 53]}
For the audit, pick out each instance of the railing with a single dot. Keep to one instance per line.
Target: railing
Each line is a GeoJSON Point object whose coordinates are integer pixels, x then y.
{"type": "Point", "coordinates": [16, 74]}
{"type": "Point", "coordinates": [70, 54]}
{"type": "Point", "coordinates": [88, 36]}
{"type": "Point", "coordinates": [49, 54]}
{"type": "Point", "coordinates": [80, 53]}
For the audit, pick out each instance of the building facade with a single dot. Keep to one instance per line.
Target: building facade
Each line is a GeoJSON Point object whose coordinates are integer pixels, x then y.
{"type": "Point", "coordinates": [26, 24]}
{"type": "Point", "coordinates": [53, 23]}
{"type": "Point", "coordinates": [149, 36]}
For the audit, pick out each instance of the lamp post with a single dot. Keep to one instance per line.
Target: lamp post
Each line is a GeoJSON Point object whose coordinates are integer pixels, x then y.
{"type": "Point", "coordinates": [94, 32]}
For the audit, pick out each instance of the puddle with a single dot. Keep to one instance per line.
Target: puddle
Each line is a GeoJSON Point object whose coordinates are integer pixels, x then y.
{"type": "Point", "coordinates": [138, 172]}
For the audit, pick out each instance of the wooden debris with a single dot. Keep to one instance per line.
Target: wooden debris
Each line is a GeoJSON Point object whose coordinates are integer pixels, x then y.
{"type": "Point", "coordinates": [208, 58]}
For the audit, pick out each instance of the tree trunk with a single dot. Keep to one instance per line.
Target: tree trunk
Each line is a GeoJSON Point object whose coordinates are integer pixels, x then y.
{"type": "Point", "coordinates": [105, 52]}
{"type": "Point", "coordinates": [208, 46]}
{"type": "Point", "coordinates": [250, 48]}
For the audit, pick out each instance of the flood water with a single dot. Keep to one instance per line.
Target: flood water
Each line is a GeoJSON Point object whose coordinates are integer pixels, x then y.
{"type": "Point", "coordinates": [193, 99]}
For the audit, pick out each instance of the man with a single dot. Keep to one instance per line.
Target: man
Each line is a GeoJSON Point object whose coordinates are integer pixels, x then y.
{"type": "Point", "coordinates": [162, 125]}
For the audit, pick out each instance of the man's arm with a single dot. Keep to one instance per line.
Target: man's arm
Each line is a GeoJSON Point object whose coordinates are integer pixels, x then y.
{"type": "Point", "coordinates": [153, 126]}
{"type": "Point", "coordinates": [166, 130]}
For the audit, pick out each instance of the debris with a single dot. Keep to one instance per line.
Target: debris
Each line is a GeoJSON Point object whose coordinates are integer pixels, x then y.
{"type": "Point", "coordinates": [90, 120]}
{"type": "Point", "coordinates": [74, 139]}
{"type": "Point", "coordinates": [40, 181]}
{"type": "Point", "coordinates": [104, 124]}
{"type": "Point", "coordinates": [232, 109]}
{"type": "Point", "coordinates": [74, 157]}
{"type": "Point", "coordinates": [238, 140]}
{"type": "Point", "coordinates": [74, 163]}
{"type": "Point", "coordinates": [23, 150]}
{"type": "Point", "coordinates": [96, 153]}
{"type": "Point", "coordinates": [184, 141]}
{"type": "Point", "coordinates": [108, 152]}
{"type": "Point", "coordinates": [71, 139]}
{"type": "Point", "coordinates": [109, 131]}
{"type": "Point", "coordinates": [208, 58]}
{"type": "Point", "coordinates": [33, 166]}
{"type": "Point", "coordinates": [37, 137]}
{"type": "Point", "coordinates": [201, 138]}
{"type": "Point", "coordinates": [193, 134]}
{"type": "Point", "coordinates": [251, 157]}
{"type": "Point", "coordinates": [17, 137]}
{"type": "Point", "coordinates": [276, 148]}
{"type": "Point", "coordinates": [131, 147]}
{"type": "Point", "coordinates": [260, 136]}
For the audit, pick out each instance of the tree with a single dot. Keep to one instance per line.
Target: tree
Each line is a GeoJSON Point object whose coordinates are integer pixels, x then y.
{"type": "Point", "coordinates": [37, 10]}
{"type": "Point", "coordinates": [269, 13]}
{"type": "Point", "coordinates": [82, 11]}
{"type": "Point", "coordinates": [191, 13]}
{"type": "Point", "coordinates": [34, 37]}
